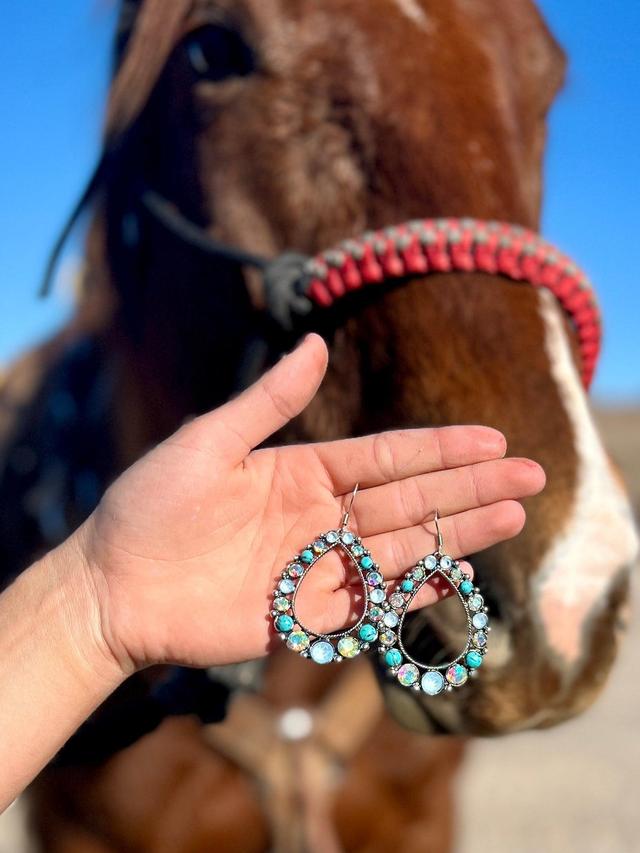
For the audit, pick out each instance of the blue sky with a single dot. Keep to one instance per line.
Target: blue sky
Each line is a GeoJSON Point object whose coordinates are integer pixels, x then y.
{"type": "Point", "coordinates": [54, 61]}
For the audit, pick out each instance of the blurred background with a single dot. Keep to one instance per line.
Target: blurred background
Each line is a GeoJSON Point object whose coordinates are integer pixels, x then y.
{"type": "Point", "coordinates": [569, 789]}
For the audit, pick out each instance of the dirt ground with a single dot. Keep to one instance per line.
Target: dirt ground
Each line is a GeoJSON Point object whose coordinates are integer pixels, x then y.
{"type": "Point", "coordinates": [573, 789]}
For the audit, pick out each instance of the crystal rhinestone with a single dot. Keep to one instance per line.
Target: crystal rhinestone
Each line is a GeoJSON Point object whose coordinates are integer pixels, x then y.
{"type": "Point", "coordinates": [387, 638]}
{"type": "Point", "coordinates": [377, 596]}
{"type": "Point", "coordinates": [393, 658]}
{"type": "Point", "coordinates": [480, 639]}
{"type": "Point", "coordinates": [282, 604]}
{"type": "Point", "coordinates": [430, 562]}
{"type": "Point", "coordinates": [366, 562]}
{"type": "Point", "coordinates": [348, 647]}
{"type": "Point", "coordinates": [408, 674]}
{"type": "Point", "coordinates": [357, 550]}
{"type": "Point", "coordinates": [457, 674]}
{"type": "Point", "coordinates": [286, 585]}
{"type": "Point", "coordinates": [396, 600]}
{"type": "Point", "coordinates": [432, 683]}
{"type": "Point", "coordinates": [321, 651]}
{"type": "Point", "coordinates": [480, 620]}
{"type": "Point", "coordinates": [476, 602]}
{"type": "Point", "coordinates": [374, 578]}
{"type": "Point", "coordinates": [368, 632]}
{"type": "Point", "coordinates": [466, 587]}
{"type": "Point", "coordinates": [473, 659]}
{"type": "Point", "coordinates": [456, 575]}
{"type": "Point", "coordinates": [375, 614]}
{"type": "Point", "coordinates": [347, 537]}
{"type": "Point", "coordinates": [331, 537]}
{"type": "Point", "coordinates": [445, 562]}
{"type": "Point", "coordinates": [319, 546]}
{"type": "Point", "coordinates": [298, 641]}
{"type": "Point", "coordinates": [418, 574]}
{"type": "Point", "coordinates": [284, 623]}
{"type": "Point", "coordinates": [296, 570]}
{"type": "Point", "coordinates": [307, 556]}
{"type": "Point", "coordinates": [406, 585]}
{"type": "Point", "coordinates": [391, 619]}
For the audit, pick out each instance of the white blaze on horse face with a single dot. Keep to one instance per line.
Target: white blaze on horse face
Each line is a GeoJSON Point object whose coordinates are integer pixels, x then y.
{"type": "Point", "coordinates": [414, 11]}
{"type": "Point", "coordinates": [599, 540]}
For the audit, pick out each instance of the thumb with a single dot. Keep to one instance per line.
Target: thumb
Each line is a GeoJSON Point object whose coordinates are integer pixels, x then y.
{"type": "Point", "coordinates": [233, 430]}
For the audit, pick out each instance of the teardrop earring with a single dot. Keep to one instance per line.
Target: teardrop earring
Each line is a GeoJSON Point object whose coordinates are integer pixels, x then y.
{"type": "Point", "coordinates": [436, 679]}
{"type": "Point", "coordinates": [336, 645]}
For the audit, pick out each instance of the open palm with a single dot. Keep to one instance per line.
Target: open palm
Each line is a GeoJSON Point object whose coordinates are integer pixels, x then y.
{"type": "Point", "coordinates": [185, 548]}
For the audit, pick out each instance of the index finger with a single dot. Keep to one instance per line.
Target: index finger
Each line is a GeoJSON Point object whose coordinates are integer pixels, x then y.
{"type": "Point", "coordinates": [388, 456]}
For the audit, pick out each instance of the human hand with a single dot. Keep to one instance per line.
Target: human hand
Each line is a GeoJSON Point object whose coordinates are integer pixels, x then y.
{"type": "Point", "coordinates": [183, 552]}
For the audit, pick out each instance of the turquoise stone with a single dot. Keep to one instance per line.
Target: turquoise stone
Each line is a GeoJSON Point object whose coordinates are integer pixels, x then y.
{"type": "Point", "coordinates": [377, 596]}
{"type": "Point", "coordinates": [286, 585]}
{"type": "Point", "coordinates": [391, 619]}
{"type": "Point", "coordinates": [466, 587]}
{"type": "Point", "coordinates": [307, 556]}
{"type": "Point", "coordinates": [480, 620]}
{"type": "Point", "coordinates": [321, 651]}
{"type": "Point", "coordinates": [432, 683]}
{"type": "Point", "coordinates": [347, 537]}
{"type": "Point", "coordinates": [368, 632]}
{"type": "Point", "coordinates": [406, 585]}
{"type": "Point", "coordinates": [284, 623]}
{"type": "Point", "coordinates": [282, 604]}
{"type": "Point", "coordinates": [473, 659]}
{"type": "Point", "coordinates": [457, 674]}
{"type": "Point", "coordinates": [331, 537]}
{"type": "Point", "coordinates": [357, 550]}
{"type": "Point", "coordinates": [430, 562]}
{"type": "Point", "coordinates": [296, 570]}
{"type": "Point", "coordinates": [366, 562]}
{"type": "Point", "coordinates": [298, 641]}
{"type": "Point", "coordinates": [393, 658]}
{"type": "Point", "coordinates": [374, 578]}
{"type": "Point", "coordinates": [408, 674]}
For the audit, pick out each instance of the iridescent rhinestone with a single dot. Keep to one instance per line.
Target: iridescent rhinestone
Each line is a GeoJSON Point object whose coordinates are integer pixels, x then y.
{"type": "Point", "coordinates": [480, 639]}
{"type": "Point", "coordinates": [348, 647]}
{"type": "Point", "coordinates": [393, 658]}
{"type": "Point", "coordinates": [307, 556]}
{"type": "Point", "coordinates": [391, 619]}
{"type": "Point", "coordinates": [368, 632]}
{"type": "Point", "coordinates": [357, 550]}
{"type": "Point", "coordinates": [476, 602]}
{"type": "Point", "coordinates": [366, 562]}
{"type": "Point", "coordinates": [284, 623]}
{"type": "Point", "coordinates": [375, 614]}
{"type": "Point", "coordinates": [418, 574]}
{"type": "Point", "coordinates": [319, 546]}
{"type": "Point", "coordinates": [296, 570]}
{"type": "Point", "coordinates": [347, 537]}
{"type": "Point", "coordinates": [282, 604]}
{"type": "Point", "coordinates": [331, 537]}
{"type": "Point", "coordinates": [430, 562]}
{"type": "Point", "coordinates": [286, 586]}
{"type": "Point", "coordinates": [480, 620]}
{"type": "Point", "coordinates": [432, 683]}
{"type": "Point", "coordinates": [466, 587]}
{"type": "Point", "coordinates": [408, 674]}
{"type": "Point", "coordinates": [374, 578]}
{"type": "Point", "coordinates": [445, 562]}
{"type": "Point", "coordinates": [298, 641]}
{"type": "Point", "coordinates": [387, 638]}
{"type": "Point", "coordinates": [396, 600]}
{"type": "Point", "coordinates": [377, 596]}
{"type": "Point", "coordinates": [406, 585]}
{"type": "Point", "coordinates": [457, 674]}
{"type": "Point", "coordinates": [473, 659]}
{"type": "Point", "coordinates": [455, 575]}
{"type": "Point", "coordinates": [321, 651]}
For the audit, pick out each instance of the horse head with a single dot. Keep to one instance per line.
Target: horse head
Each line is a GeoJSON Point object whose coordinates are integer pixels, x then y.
{"type": "Point", "coordinates": [293, 124]}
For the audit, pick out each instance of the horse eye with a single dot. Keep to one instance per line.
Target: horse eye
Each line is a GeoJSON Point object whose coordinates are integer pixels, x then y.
{"type": "Point", "coordinates": [216, 53]}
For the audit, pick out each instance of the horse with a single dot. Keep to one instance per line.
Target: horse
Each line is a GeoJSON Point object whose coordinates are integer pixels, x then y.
{"type": "Point", "coordinates": [276, 125]}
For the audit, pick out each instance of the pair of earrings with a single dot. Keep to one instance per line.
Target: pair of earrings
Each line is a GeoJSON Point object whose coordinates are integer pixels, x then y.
{"type": "Point", "coordinates": [383, 614]}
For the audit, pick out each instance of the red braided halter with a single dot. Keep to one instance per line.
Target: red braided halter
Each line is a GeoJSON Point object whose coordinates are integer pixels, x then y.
{"type": "Point", "coordinates": [460, 245]}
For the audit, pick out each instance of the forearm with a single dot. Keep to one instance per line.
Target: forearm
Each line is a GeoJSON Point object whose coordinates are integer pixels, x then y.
{"type": "Point", "coordinates": [53, 673]}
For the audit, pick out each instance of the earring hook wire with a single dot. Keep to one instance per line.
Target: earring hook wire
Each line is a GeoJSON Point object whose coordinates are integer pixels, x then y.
{"type": "Point", "coordinates": [345, 517]}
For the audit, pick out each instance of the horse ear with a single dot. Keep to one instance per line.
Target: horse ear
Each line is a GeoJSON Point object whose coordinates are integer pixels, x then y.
{"type": "Point", "coordinates": [156, 28]}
